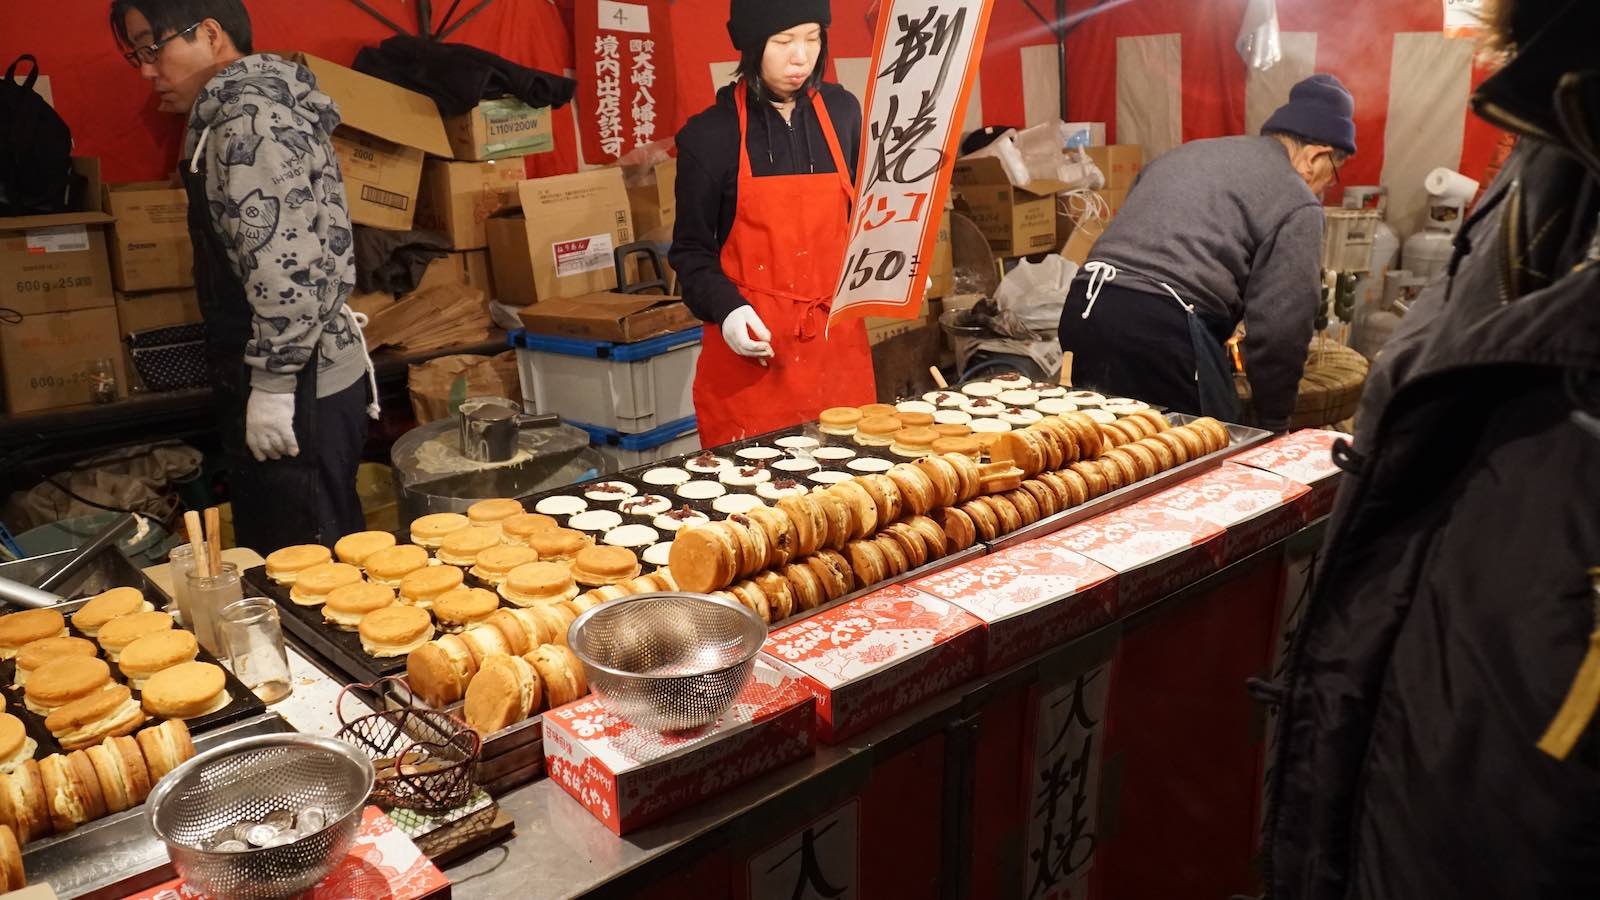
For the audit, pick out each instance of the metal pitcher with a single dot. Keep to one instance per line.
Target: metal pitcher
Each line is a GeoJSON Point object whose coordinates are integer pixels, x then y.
{"type": "Point", "coordinates": [491, 428]}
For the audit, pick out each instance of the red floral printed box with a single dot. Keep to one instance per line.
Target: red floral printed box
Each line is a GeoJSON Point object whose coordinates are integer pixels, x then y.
{"type": "Point", "coordinates": [1030, 598]}
{"type": "Point", "coordinates": [1306, 457]}
{"type": "Point", "coordinates": [629, 777]}
{"type": "Point", "coordinates": [1154, 551]}
{"type": "Point", "coordinates": [1257, 508]}
{"type": "Point", "coordinates": [383, 864]}
{"type": "Point", "coordinates": [879, 655]}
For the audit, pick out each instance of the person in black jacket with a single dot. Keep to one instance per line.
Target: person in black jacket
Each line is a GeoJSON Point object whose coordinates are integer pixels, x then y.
{"type": "Point", "coordinates": [765, 185]}
{"type": "Point", "coordinates": [1428, 746]}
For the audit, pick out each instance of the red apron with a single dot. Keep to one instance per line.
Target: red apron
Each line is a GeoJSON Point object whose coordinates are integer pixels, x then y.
{"type": "Point", "coordinates": [785, 253]}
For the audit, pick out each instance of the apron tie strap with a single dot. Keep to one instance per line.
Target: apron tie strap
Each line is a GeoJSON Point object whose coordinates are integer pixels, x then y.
{"type": "Point", "coordinates": [1099, 274]}
{"type": "Point", "coordinates": [358, 323]}
{"type": "Point", "coordinates": [806, 327]}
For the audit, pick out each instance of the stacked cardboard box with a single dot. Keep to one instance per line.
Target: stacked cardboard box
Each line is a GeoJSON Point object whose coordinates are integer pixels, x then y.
{"type": "Point", "coordinates": [152, 259]}
{"type": "Point", "coordinates": [60, 312]}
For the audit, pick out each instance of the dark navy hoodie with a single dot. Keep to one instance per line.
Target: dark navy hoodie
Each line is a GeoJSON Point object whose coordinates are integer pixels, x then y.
{"type": "Point", "coordinates": [708, 180]}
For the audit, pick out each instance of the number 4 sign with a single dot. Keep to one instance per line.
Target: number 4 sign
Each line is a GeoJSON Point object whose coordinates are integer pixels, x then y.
{"type": "Point", "coordinates": [923, 66]}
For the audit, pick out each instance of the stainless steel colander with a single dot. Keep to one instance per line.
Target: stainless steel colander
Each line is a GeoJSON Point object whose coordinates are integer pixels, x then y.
{"type": "Point", "coordinates": [247, 781]}
{"type": "Point", "coordinates": [668, 662]}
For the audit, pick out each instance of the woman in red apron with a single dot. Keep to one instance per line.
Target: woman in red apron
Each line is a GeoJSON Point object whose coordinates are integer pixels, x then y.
{"type": "Point", "coordinates": [765, 186]}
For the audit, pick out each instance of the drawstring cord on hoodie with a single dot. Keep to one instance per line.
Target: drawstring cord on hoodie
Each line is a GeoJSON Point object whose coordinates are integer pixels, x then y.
{"type": "Point", "coordinates": [805, 133]}
{"type": "Point", "coordinates": [358, 321]}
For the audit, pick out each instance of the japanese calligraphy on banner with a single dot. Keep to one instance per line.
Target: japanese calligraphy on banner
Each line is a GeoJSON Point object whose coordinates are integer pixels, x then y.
{"type": "Point", "coordinates": [1064, 796]}
{"type": "Point", "coordinates": [923, 65]}
{"type": "Point", "coordinates": [625, 81]}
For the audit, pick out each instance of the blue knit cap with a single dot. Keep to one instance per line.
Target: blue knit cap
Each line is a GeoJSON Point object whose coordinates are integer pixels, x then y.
{"type": "Point", "coordinates": [1319, 110]}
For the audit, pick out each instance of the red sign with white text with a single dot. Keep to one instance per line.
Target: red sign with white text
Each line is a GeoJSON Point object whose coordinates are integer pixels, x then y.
{"type": "Point", "coordinates": [625, 76]}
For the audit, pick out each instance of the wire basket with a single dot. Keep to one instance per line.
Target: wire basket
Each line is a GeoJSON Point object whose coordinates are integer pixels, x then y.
{"type": "Point", "coordinates": [251, 780]}
{"type": "Point", "coordinates": [424, 759]}
{"type": "Point", "coordinates": [668, 662]}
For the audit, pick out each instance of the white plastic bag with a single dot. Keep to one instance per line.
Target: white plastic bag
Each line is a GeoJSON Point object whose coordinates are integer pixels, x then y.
{"type": "Point", "coordinates": [1034, 294]}
{"type": "Point", "coordinates": [1259, 43]}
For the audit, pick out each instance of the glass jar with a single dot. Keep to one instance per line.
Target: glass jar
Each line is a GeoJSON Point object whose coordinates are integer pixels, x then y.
{"type": "Point", "coordinates": [253, 636]}
{"type": "Point", "coordinates": [208, 596]}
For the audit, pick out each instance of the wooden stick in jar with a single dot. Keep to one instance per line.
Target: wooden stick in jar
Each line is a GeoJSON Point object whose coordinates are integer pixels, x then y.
{"type": "Point", "coordinates": [214, 540]}
{"type": "Point", "coordinates": [938, 377]}
{"type": "Point", "coordinates": [1066, 369]}
{"type": "Point", "coordinates": [191, 523]}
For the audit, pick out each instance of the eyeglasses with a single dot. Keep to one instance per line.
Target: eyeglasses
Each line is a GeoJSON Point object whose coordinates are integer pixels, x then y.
{"type": "Point", "coordinates": [148, 54]}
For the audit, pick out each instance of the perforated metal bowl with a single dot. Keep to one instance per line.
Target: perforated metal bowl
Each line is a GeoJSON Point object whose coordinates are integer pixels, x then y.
{"type": "Point", "coordinates": [668, 662]}
{"type": "Point", "coordinates": [247, 780]}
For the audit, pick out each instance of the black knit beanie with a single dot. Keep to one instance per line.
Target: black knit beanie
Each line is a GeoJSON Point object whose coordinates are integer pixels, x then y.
{"type": "Point", "coordinates": [1319, 110]}
{"type": "Point", "coordinates": [751, 22]}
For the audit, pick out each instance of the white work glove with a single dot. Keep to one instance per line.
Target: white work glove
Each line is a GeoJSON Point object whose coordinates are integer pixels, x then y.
{"type": "Point", "coordinates": [269, 426]}
{"type": "Point", "coordinates": [745, 333]}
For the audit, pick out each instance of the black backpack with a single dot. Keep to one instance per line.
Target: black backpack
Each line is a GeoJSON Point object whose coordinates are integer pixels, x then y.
{"type": "Point", "coordinates": [35, 149]}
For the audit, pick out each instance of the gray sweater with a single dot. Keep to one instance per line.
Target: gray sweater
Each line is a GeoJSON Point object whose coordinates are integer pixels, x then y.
{"type": "Point", "coordinates": [1231, 226]}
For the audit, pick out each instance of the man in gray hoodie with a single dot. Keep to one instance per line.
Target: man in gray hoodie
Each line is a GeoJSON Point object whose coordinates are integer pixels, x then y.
{"type": "Point", "coordinates": [1215, 233]}
{"type": "Point", "coordinates": [273, 266]}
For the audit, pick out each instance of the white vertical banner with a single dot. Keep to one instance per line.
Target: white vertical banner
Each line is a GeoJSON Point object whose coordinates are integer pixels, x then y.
{"type": "Point", "coordinates": [1150, 92]}
{"type": "Point", "coordinates": [924, 63]}
{"type": "Point", "coordinates": [1427, 121]}
{"type": "Point", "coordinates": [1041, 84]}
{"type": "Point", "coordinates": [1064, 790]}
{"type": "Point", "coordinates": [1265, 91]}
{"type": "Point", "coordinates": [819, 862]}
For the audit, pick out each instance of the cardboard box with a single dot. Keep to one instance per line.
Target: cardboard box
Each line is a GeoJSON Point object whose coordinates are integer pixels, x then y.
{"type": "Point", "coordinates": [1080, 244]}
{"type": "Point", "coordinates": [942, 270]}
{"type": "Point", "coordinates": [609, 316]}
{"type": "Point", "coordinates": [458, 198]}
{"type": "Point", "coordinates": [500, 129]}
{"type": "Point", "coordinates": [1115, 200]}
{"type": "Point", "coordinates": [629, 777]}
{"type": "Point", "coordinates": [1256, 507]}
{"type": "Point", "coordinates": [574, 223]}
{"type": "Point", "coordinates": [158, 309]}
{"type": "Point", "coordinates": [1016, 221]}
{"type": "Point", "coordinates": [879, 655]}
{"type": "Point", "coordinates": [655, 207]}
{"type": "Point", "coordinates": [1121, 164]}
{"type": "Point", "coordinates": [47, 357]}
{"type": "Point", "coordinates": [150, 245]}
{"type": "Point", "coordinates": [1031, 598]}
{"type": "Point", "coordinates": [1305, 457]}
{"type": "Point", "coordinates": [382, 862]}
{"type": "Point", "coordinates": [58, 262]}
{"type": "Point", "coordinates": [1155, 552]}
{"type": "Point", "coordinates": [387, 130]}
{"type": "Point", "coordinates": [510, 261]}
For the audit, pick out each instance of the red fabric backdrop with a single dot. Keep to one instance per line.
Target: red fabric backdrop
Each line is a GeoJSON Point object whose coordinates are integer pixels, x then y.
{"type": "Point", "coordinates": [112, 113]}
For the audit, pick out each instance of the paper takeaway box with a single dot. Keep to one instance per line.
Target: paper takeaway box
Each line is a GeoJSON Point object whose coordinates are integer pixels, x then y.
{"type": "Point", "coordinates": [1031, 597]}
{"type": "Point", "coordinates": [1153, 550]}
{"type": "Point", "coordinates": [629, 777]}
{"type": "Point", "coordinates": [879, 655]}
{"type": "Point", "coordinates": [382, 863]}
{"type": "Point", "coordinates": [1257, 508]}
{"type": "Point", "coordinates": [1306, 457]}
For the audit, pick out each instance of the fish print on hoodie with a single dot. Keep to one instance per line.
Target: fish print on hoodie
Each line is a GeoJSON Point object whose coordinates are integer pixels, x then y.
{"type": "Point", "coordinates": [276, 196]}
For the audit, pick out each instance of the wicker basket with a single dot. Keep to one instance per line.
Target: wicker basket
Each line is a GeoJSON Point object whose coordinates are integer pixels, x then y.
{"type": "Point", "coordinates": [1330, 390]}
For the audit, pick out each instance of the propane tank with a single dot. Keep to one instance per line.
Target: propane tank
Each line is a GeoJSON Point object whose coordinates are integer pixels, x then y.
{"type": "Point", "coordinates": [1385, 243]}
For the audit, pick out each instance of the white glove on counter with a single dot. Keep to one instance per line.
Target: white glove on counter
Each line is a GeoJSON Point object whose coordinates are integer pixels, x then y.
{"type": "Point", "coordinates": [269, 426]}
{"type": "Point", "coordinates": [745, 333]}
